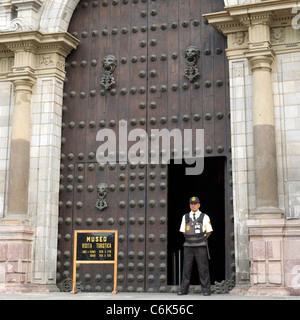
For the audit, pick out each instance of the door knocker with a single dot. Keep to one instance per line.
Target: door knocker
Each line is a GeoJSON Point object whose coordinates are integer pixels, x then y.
{"type": "Point", "coordinates": [192, 55]}
{"type": "Point", "coordinates": [102, 192]}
{"type": "Point", "coordinates": [109, 64]}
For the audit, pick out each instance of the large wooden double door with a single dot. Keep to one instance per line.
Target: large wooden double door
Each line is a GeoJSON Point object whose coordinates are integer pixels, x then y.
{"type": "Point", "coordinates": [148, 39]}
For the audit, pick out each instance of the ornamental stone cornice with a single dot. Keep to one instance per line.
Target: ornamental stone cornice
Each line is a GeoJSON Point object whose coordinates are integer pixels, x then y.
{"type": "Point", "coordinates": [263, 6]}
{"type": "Point", "coordinates": [262, 26]}
{"type": "Point", "coordinates": [27, 4]}
{"type": "Point", "coordinates": [36, 41]}
{"type": "Point", "coordinates": [35, 53]}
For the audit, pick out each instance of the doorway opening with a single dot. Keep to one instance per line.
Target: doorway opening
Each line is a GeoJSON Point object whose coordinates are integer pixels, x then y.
{"type": "Point", "coordinates": [209, 187]}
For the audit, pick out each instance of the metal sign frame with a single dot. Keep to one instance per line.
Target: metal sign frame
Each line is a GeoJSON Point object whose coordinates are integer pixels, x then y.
{"type": "Point", "coordinates": [99, 234]}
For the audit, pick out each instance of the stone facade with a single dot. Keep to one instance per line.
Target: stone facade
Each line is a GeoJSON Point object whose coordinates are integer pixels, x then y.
{"type": "Point", "coordinates": [264, 63]}
{"type": "Point", "coordinates": [32, 77]}
{"type": "Point", "coordinates": [262, 47]}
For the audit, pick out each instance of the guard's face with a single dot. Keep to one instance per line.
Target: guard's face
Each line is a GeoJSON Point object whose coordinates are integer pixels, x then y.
{"type": "Point", "coordinates": [194, 206]}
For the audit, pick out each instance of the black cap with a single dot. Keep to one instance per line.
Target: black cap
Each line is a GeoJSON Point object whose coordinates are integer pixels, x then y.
{"type": "Point", "coordinates": [194, 199]}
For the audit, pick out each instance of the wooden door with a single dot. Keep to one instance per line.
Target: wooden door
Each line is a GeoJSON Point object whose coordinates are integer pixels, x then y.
{"type": "Point", "coordinates": [148, 38]}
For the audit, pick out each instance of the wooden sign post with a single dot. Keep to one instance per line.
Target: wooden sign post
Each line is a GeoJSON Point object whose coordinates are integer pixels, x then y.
{"type": "Point", "coordinates": [94, 246]}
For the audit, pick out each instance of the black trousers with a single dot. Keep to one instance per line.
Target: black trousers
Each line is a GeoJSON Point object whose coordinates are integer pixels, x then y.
{"type": "Point", "coordinates": [200, 255]}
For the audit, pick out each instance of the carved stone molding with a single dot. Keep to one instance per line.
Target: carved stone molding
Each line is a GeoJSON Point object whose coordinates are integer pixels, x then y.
{"type": "Point", "coordinates": [36, 53]}
{"type": "Point", "coordinates": [20, 15]}
{"type": "Point", "coordinates": [258, 26]}
{"type": "Point", "coordinates": [16, 25]}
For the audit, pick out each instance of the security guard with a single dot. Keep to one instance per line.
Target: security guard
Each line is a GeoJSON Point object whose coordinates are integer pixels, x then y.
{"type": "Point", "coordinates": [197, 228]}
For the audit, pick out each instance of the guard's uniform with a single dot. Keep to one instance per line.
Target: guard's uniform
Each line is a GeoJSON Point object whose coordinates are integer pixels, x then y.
{"type": "Point", "coordinates": [195, 226]}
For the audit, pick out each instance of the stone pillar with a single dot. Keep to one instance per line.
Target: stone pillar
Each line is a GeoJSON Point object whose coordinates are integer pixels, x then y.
{"type": "Point", "coordinates": [20, 151]}
{"type": "Point", "coordinates": [265, 162]}
{"type": "Point", "coordinates": [16, 232]}
{"type": "Point", "coordinates": [265, 223]}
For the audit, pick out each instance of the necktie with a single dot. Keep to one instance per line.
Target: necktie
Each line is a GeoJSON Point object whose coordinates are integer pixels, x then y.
{"type": "Point", "coordinates": [194, 217]}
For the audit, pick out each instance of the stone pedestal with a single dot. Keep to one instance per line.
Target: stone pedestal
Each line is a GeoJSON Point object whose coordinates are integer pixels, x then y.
{"type": "Point", "coordinates": [266, 257]}
{"type": "Point", "coordinates": [291, 251]}
{"type": "Point", "coordinates": [15, 257]}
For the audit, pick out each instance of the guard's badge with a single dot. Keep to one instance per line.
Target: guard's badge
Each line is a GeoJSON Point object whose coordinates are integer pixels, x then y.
{"type": "Point", "coordinates": [194, 198]}
{"type": "Point", "coordinates": [188, 228]}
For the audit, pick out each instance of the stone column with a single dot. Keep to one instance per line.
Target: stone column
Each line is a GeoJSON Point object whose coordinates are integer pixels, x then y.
{"type": "Point", "coordinates": [265, 223]}
{"type": "Point", "coordinates": [265, 162]}
{"type": "Point", "coordinates": [20, 151]}
{"type": "Point", "coordinates": [16, 232]}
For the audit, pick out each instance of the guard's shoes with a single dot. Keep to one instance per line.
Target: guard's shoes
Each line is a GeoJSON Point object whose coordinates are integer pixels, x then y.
{"type": "Point", "coordinates": [206, 294]}
{"type": "Point", "coordinates": [182, 293]}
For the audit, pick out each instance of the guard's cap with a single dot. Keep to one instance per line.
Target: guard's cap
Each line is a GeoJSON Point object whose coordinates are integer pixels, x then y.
{"type": "Point", "coordinates": [194, 199]}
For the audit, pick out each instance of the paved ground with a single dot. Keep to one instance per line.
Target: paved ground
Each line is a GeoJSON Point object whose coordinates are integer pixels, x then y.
{"type": "Point", "coordinates": [103, 296]}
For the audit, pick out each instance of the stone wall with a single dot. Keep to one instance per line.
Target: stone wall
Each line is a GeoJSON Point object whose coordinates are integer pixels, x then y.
{"type": "Point", "coordinates": [260, 40]}
{"type": "Point", "coordinates": [286, 84]}
{"type": "Point", "coordinates": [33, 67]}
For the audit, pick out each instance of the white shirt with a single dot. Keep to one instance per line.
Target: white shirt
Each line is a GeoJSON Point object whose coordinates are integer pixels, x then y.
{"type": "Point", "coordinates": [206, 221]}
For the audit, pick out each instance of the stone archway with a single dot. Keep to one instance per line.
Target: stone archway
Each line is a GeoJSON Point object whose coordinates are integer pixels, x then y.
{"type": "Point", "coordinates": [56, 15]}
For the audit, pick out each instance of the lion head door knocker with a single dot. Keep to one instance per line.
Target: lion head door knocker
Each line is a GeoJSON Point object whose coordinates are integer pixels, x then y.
{"type": "Point", "coordinates": [102, 192]}
{"type": "Point", "coordinates": [192, 55]}
{"type": "Point", "coordinates": [109, 64]}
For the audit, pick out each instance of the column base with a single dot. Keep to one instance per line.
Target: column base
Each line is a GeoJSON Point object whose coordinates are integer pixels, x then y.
{"type": "Point", "coordinates": [266, 213]}
{"type": "Point", "coordinates": [267, 291]}
{"type": "Point", "coordinates": [15, 220]}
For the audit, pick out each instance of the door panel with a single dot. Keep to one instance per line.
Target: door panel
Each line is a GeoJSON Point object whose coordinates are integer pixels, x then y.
{"type": "Point", "coordinates": [148, 39]}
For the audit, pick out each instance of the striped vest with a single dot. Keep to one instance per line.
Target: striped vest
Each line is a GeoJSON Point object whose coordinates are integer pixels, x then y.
{"type": "Point", "coordinates": [194, 234]}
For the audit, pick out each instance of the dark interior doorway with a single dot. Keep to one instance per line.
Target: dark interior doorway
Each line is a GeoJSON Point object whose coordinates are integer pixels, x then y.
{"type": "Point", "coordinates": [210, 188]}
